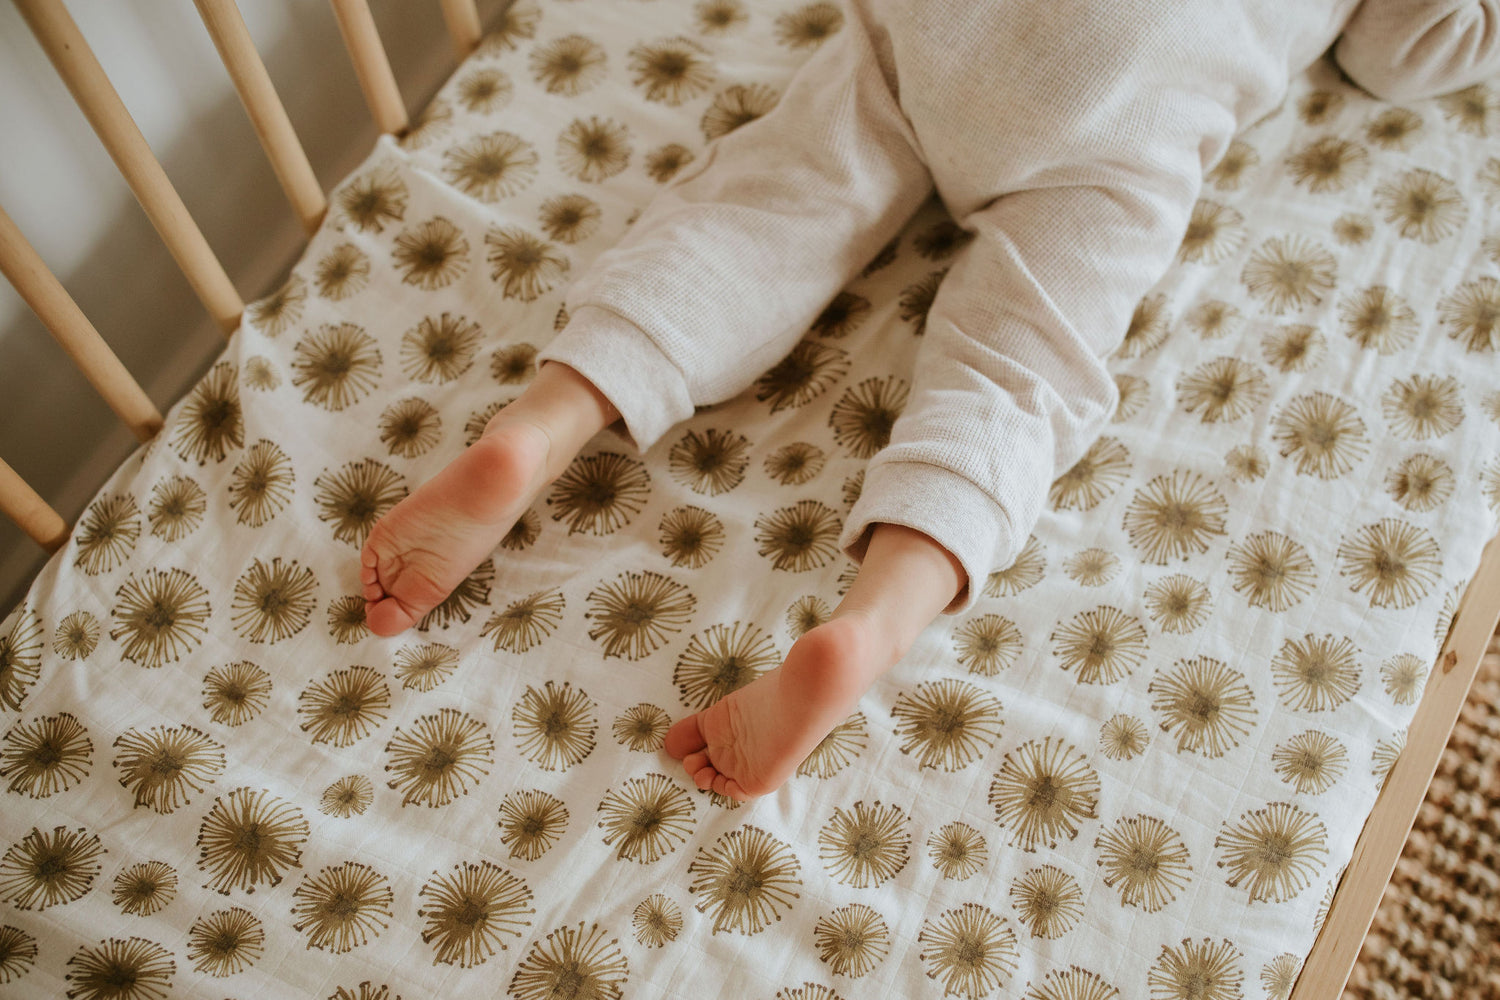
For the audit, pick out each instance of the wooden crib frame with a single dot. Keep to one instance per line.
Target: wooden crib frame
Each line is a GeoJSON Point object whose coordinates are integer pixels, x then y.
{"type": "Point", "coordinates": [1333, 955]}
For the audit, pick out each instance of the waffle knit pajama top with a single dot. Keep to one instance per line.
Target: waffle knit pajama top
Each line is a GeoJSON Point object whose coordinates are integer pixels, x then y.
{"type": "Point", "coordinates": [1068, 137]}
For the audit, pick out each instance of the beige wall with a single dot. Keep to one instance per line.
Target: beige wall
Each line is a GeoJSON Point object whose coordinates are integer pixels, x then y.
{"type": "Point", "coordinates": [63, 192]}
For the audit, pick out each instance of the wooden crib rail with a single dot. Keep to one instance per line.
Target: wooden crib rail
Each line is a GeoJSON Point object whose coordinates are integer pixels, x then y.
{"type": "Point", "coordinates": [97, 99]}
{"type": "Point", "coordinates": [462, 19]}
{"type": "Point", "coordinates": [21, 504]}
{"type": "Point", "coordinates": [372, 67]}
{"type": "Point", "coordinates": [267, 114]}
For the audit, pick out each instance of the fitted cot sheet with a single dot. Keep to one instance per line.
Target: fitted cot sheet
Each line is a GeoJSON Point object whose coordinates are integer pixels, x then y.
{"type": "Point", "coordinates": [1137, 768]}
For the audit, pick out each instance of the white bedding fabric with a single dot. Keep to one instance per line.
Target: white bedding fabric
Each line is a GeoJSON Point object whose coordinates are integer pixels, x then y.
{"type": "Point", "coordinates": [1136, 769]}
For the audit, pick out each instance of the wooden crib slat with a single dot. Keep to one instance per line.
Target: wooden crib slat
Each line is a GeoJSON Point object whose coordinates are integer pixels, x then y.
{"type": "Point", "coordinates": [22, 505]}
{"type": "Point", "coordinates": [462, 19]}
{"type": "Point", "coordinates": [371, 65]}
{"type": "Point", "coordinates": [97, 99]}
{"type": "Point", "coordinates": [267, 114]}
{"type": "Point", "coordinates": [1333, 955]}
{"type": "Point", "coordinates": [24, 269]}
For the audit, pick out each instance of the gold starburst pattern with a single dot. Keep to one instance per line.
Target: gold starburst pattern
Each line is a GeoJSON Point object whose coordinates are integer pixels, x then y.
{"type": "Point", "coordinates": [353, 498]}
{"type": "Point", "coordinates": [1272, 571]}
{"type": "Point", "coordinates": [1316, 673]}
{"type": "Point", "coordinates": [20, 657]}
{"type": "Point", "coordinates": [1384, 757]}
{"type": "Point", "coordinates": [531, 822]}
{"type": "Point", "coordinates": [1404, 676]}
{"type": "Point", "coordinates": [1274, 851]}
{"type": "Point", "coordinates": [1103, 645]}
{"type": "Point", "coordinates": [513, 364]}
{"type": "Point", "coordinates": [349, 796]}
{"type": "Point", "coordinates": [107, 533]}
{"type": "Point", "coordinates": [1092, 567]}
{"type": "Point", "coordinates": [432, 123]}
{"type": "Point", "coordinates": [439, 348]}
{"type": "Point", "coordinates": [841, 316]}
{"type": "Point", "coordinates": [642, 728]}
{"type": "Point", "coordinates": [1204, 704]}
{"type": "Point", "coordinates": [690, 536]}
{"type": "Point", "coordinates": [1422, 205]}
{"type": "Point", "coordinates": [1471, 109]}
{"type": "Point", "coordinates": [1246, 463]}
{"type": "Point", "coordinates": [1213, 318]}
{"type": "Point", "coordinates": [852, 940]}
{"type": "Point", "coordinates": [17, 953]}
{"type": "Point", "coordinates": [1310, 762]}
{"type": "Point", "coordinates": [1423, 406]}
{"type": "Point", "coordinates": [799, 538]}
{"type": "Point", "coordinates": [916, 301]}
{"type": "Point", "coordinates": [593, 150]}
{"type": "Point", "coordinates": [947, 723]}
{"type": "Point", "coordinates": [941, 240]}
{"type": "Point", "coordinates": [851, 489]}
{"type": "Point", "coordinates": [336, 367]}
{"type": "Point", "coordinates": [802, 376]}
{"type": "Point", "coordinates": [45, 756]}
{"type": "Point", "coordinates": [484, 90]}
{"type": "Point", "coordinates": [273, 601]}
{"type": "Point", "coordinates": [555, 725]}
{"type": "Point", "coordinates": [1197, 971]}
{"type": "Point", "coordinates": [236, 692]}
{"type": "Point", "coordinates": [662, 164]}
{"type": "Point", "coordinates": [600, 493]}
{"type": "Point", "coordinates": [225, 942]}
{"type": "Point", "coordinates": [260, 374]}
{"type": "Point", "coordinates": [48, 869]}
{"type": "Point", "coordinates": [1076, 983]}
{"type": "Point", "coordinates": [1353, 229]}
{"type": "Point", "coordinates": [424, 666]}
{"type": "Point", "coordinates": [76, 636]}
{"type": "Point", "coordinates": [121, 969]}
{"type": "Point", "coordinates": [1174, 517]}
{"type": "Point", "coordinates": [1043, 792]}
{"type": "Point", "coordinates": [710, 462]}
{"type": "Point", "coordinates": [1280, 974]}
{"type": "Point", "coordinates": [633, 615]}
{"type": "Point", "coordinates": [1394, 129]}
{"type": "Point", "coordinates": [341, 272]}
{"type": "Point", "coordinates": [467, 913]}
{"type": "Point", "coordinates": [866, 846]}
{"type": "Point", "coordinates": [515, 22]}
{"type": "Point", "coordinates": [745, 880]}
{"type": "Point", "coordinates": [987, 644]}
{"type": "Point", "coordinates": [1294, 348]}
{"type": "Point", "coordinates": [671, 71]}
{"type": "Point", "coordinates": [261, 484]}
{"type": "Point", "coordinates": [1323, 435]}
{"type": "Point", "coordinates": [250, 837]}
{"type": "Point", "coordinates": [144, 888]}
{"type": "Point", "coordinates": [1224, 389]}
{"type": "Point", "coordinates": [1123, 737]}
{"type": "Point", "coordinates": [970, 950]}
{"type": "Point", "coordinates": [838, 749]}
{"type": "Point", "coordinates": [1471, 314]}
{"type": "Point", "coordinates": [1316, 107]}
{"type": "Point", "coordinates": [373, 199]}
{"type": "Point", "coordinates": [1214, 231]}
{"type": "Point", "coordinates": [1026, 572]}
{"type": "Point", "coordinates": [570, 218]}
{"type": "Point", "coordinates": [738, 105]}
{"type": "Point", "coordinates": [490, 167]}
{"type": "Point", "coordinates": [568, 65]}
{"type": "Point", "coordinates": [525, 622]}
{"type": "Point", "coordinates": [410, 427]}
{"type": "Point", "coordinates": [721, 659]}
{"type": "Point", "coordinates": [159, 616]}
{"type": "Point", "coordinates": [176, 509]}
{"type": "Point", "coordinates": [1095, 476]}
{"type": "Point", "coordinates": [211, 423]}
{"type": "Point", "coordinates": [1289, 272]}
{"type": "Point", "coordinates": [342, 907]}
{"type": "Point", "coordinates": [1238, 160]}
{"type": "Point", "coordinates": [716, 17]}
{"type": "Point", "coordinates": [344, 707]}
{"type": "Point", "coordinates": [431, 254]}
{"type": "Point", "coordinates": [808, 26]}
{"type": "Point", "coordinates": [276, 313]}
{"type": "Point", "coordinates": [1147, 329]}
{"type": "Point", "coordinates": [1178, 603]}
{"type": "Point", "coordinates": [1378, 319]}
{"type": "Point", "coordinates": [1398, 562]}
{"type": "Point", "coordinates": [1145, 859]}
{"type": "Point", "coordinates": [1328, 164]}
{"type": "Point", "coordinates": [572, 962]}
{"type": "Point", "coordinates": [796, 463]}
{"type": "Point", "coordinates": [657, 921]}
{"type": "Point", "coordinates": [524, 266]}
{"type": "Point", "coordinates": [439, 757]}
{"type": "Point", "coordinates": [957, 851]}
{"type": "Point", "coordinates": [646, 818]}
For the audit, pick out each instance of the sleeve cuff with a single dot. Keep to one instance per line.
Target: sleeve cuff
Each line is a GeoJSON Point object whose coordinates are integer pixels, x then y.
{"type": "Point", "coordinates": [945, 506]}
{"type": "Point", "coordinates": [627, 367]}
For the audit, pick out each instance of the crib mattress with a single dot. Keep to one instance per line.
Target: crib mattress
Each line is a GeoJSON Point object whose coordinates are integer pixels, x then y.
{"type": "Point", "coordinates": [1137, 768]}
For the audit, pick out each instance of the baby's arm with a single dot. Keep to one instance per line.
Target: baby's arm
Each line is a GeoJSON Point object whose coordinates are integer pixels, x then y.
{"type": "Point", "coordinates": [1404, 50]}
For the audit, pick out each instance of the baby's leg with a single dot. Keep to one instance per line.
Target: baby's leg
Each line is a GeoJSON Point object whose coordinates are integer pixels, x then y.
{"type": "Point", "coordinates": [752, 740]}
{"type": "Point", "coordinates": [430, 541]}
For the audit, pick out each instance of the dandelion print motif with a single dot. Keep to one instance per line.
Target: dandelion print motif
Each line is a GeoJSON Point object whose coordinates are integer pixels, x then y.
{"type": "Point", "coordinates": [716, 17]}
{"type": "Point", "coordinates": [642, 728]}
{"type": "Point", "coordinates": [50, 869]}
{"type": "Point", "coordinates": [842, 316]}
{"type": "Point", "coordinates": [916, 301]}
{"type": "Point", "coordinates": [525, 622]}
{"type": "Point", "coordinates": [1378, 319]}
{"type": "Point", "coordinates": [1316, 673]}
{"type": "Point", "coordinates": [531, 822]}
{"type": "Point", "coordinates": [1274, 852]}
{"type": "Point", "coordinates": [107, 533]}
{"type": "Point", "coordinates": [1246, 463]}
{"type": "Point", "coordinates": [746, 880]}
{"type": "Point", "coordinates": [807, 372]}
{"type": "Point", "coordinates": [1214, 231]}
{"type": "Point", "coordinates": [1329, 164]}
{"type": "Point", "coordinates": [1317, 107]}
{"type": "Point", "coordinates": [690, 536]}
{"type": "Point", "coordinates": [987, 644]}
{"type": "Point", "coordinates": [160, 615]}
{"type": "Point", "coordinates": [657, 921]}
{"type": "Point", "coordinates": [852, 940]}
{"type": "Point", "coordinates": [1224, 389]}
{"type": "Point", "coordinates": [646, 818]}
{"type": "Point", "coordinates": [593, 150]}
{"type": "Point", "coordinates": [97, 973]}
{"type": "Point", "coordinates": [957, 851]}
{"type": "Point", "coordinates": [1203, 704]}
{"type": "Point", "coordinates": [633, 615]}
{"type": "Point", "coordinates": [1197, 971]}
{"type": "Point", "coordinates": [1047, 900]}
{"type": "Point", "coordinates": [1280, 975]}
{"type": "Point", "coordinates": [277, 312]}
{"type": "Point", "coordinates": [344, 707]}
{"type": "Point", "coordinates": [795, 464]}
{"type": "Point", "coordinates": [1272, 571]}
{"type": "Point", "coordinates": [1145, 859]}
{"type": "Point", "coordinates": [572, 962]}
{"type": "Point", "coordinates": [46, 756]}
{"type": "Point", "coordinates": [261, 485]}
{"type": "Point", "coordinates": [799, 538]}
{"type": "Point", "coordinates": [1471, 314]}
{"type": "Point", "coordinates": [1423, 406]}
{"type": "Point", "coordinates": [468, 913]}
{"type": "Point", "coordinates": [721, 659]}
{"type": "Point", "coordinates": [440, 348]}
{"type": "Point", "coordinates": [663, 164]}
{"type": "Point", "coordinates": [349, 796]}
{"type": "Point", "coordinates": [236, 692]}
{"type": "Point", "coordinates": [524, 266]}
{"type": "Point", "coordinates": [671, 71]}
{"type": "Point", "coordinates": [1322, 434]}
{"type": "Point", "coordinates": [738, 105]}
{"type": "Point", "coordinates": [439, 757]}
{"type": "Point", "coordinates": [865, 846]}
{"type": "Point", "coordinates": [568, 65]}
{"type": "Point", "coordinates": [1212, 318]}
{"type": "Point", "coordinates": [250, 837]}
{"type": "Point", "coordinates": [1394, 129]}
{"type": "Point", "coordinates": [1422, 205]}
{"type": "Point", "coordinates": [838, 749]}
{"type": "Point", "coordinates": [225, 942]}
{"type": "Point", "coordinates": [1420, 482]}
{"type": "Point", "coordinates": [211, 422]}
{"type": "Point", "coordinates": [1026, 572]}
{"type": "Point", "coordinates": [373, 199]}
{"type": "Point", "coordinates": [863, 417]}
{"type": "Point", "coordinates": [1095, 476]}
{"type": "Point", "coordinates": [1102, 645]}
{"type": "Point", "coordinates": [177, 507]}
{"type": "Point", "coordinates": [1123, 737]}
{"type": "Point", "coordinates": [355, 496]}
{"type": "Point", "coordinates": [17, 953]}
{"type": "Point", "coordinates": [1398, 563]}
{"type": "Point", "coordinates": [1310, 762]}
{"type": "Point", "coordinates": [599, 494]}
{"type": "Point", "coordinates": [570, 218]}
{"type": "Point", "coordinates": [513, 364]}
{"type": "Point", "coordinates": [1074, 983]}
{"type": "Point", "coordinates": [1239, 159]}
{"type": "Point", "coordinates": [491, 167]}
{"type": "Point", "coordinates": [515, 22]}
{"type": "Point", "coordinates": [1147, 329]}
{"type": "Point", "coordinates": [1175, 517]}
{"type": "Point", "coordinates": [555, 725]}
{"type": "Point", "coordinates": [76, 636]}
{"type": "Point", "coordinates": [1178, 603]}
{"type": "Point", "coordinates": [969, 950]}
{"type": "Point", "coordinates": [423, 667]}
{"type": "Point", "coordinates": [342, 907]}
{"type": "Point", "coordinates": [1404, 676]}
{"type": "Point", "coordinates": [710, 462]}
{"type": "Point", "coordinates": [1043, 792]}
{"type": "Point", "coordinates": [341, 273]}
{"type": "Point", "coordinates": [432, 254]}
{"type": "Point", "coordinates": [273, 601]}
{"type": "Point", "coordinates": [1092, 567]}
{"type": "Point", "coordinates": [1289, 272]}
{"type": "Point", "coordinates": [336, 367]}
{"type": "Point", "coordinates": [20, 657]}
{"type": "Point", "coordinates": [946, 723]}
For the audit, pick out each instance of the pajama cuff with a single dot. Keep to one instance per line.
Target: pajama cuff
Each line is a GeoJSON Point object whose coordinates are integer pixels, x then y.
{"type": "Point", "coordinates": [945, 506]}
{"type": "Point", "coordinates": [627, 367]}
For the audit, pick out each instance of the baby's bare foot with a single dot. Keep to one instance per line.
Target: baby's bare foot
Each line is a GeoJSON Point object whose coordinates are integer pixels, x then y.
{"type": "Point", "coordinates": [750, 742]}
{"type": "Point", "coordinates": [431, 540]}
